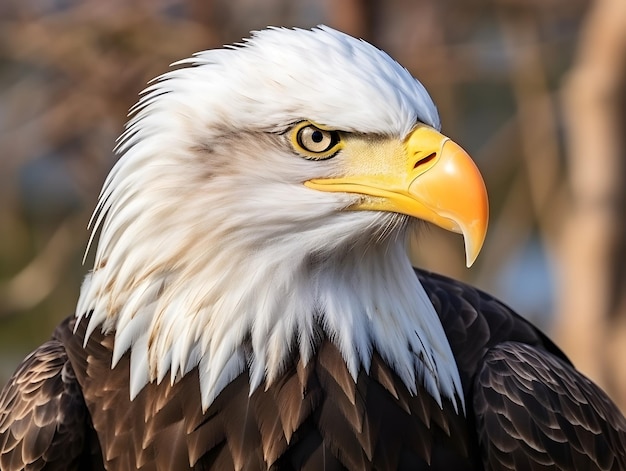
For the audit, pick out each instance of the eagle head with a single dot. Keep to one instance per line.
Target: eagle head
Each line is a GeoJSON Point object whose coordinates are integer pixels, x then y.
{"type": "Point", "coordinates": [262, 200]}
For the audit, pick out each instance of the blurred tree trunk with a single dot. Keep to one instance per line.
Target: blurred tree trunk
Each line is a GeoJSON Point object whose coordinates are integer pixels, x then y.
{"type": "Point", "coordinates": [591, 318]}
{"type": "Point", "coordinates": [355, 17]}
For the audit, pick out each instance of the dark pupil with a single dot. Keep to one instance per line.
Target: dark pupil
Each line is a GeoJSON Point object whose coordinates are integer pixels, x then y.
{"type": "Point", "coordinates": [317, 136]}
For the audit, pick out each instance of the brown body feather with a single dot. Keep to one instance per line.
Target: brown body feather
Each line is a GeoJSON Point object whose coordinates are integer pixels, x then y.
{"type": "Point", "coordinates": [527, 408]}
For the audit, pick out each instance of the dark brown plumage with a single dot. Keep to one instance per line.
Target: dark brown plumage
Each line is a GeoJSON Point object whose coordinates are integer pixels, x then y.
{"type": "Point", "coordinates": [528, 408]}
{"type": "Point", "coordinates": [44, 423]}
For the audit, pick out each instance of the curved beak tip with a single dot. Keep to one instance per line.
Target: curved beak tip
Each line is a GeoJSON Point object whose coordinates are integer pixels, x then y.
{"type": "Point", "coordinates": [471, 251]}
{"type": "Point", "coordinates": [474, 235]}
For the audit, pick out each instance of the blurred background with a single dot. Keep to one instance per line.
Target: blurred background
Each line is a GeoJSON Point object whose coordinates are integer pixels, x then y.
{"type": "Point", "coordinates": [533, 89]}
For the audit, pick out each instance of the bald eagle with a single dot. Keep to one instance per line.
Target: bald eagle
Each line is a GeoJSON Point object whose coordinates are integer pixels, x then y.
{"type": "Point", "coordinates": [252, 306]}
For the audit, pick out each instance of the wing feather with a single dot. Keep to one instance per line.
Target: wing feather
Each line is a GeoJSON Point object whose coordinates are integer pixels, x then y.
{"type": "Point", "coordinates": [44, 422]}
{"type": "Point", "coordinates": [535, 410]}
{"type": "Point", "coordinates": [532, 408]}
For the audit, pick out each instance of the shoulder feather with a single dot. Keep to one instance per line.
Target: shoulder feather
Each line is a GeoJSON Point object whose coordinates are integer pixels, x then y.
{"type": "Point", "coordinates": [44, 423]}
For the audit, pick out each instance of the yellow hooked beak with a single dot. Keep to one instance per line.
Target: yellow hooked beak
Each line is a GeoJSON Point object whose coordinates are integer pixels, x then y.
{"type": "Point", "coordinates": [427, 176]}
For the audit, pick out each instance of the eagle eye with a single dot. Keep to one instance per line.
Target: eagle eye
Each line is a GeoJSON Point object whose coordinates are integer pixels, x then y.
{"type": "Point", "coordinates": [314, 142]}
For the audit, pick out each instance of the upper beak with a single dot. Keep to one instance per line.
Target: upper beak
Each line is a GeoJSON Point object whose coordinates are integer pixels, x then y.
{"type": "Point", "coordinates": [427, 176]}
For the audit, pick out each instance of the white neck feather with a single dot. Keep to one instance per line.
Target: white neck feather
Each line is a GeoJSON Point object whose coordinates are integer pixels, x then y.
{"type": "Point", "coordinates": [235, 305]}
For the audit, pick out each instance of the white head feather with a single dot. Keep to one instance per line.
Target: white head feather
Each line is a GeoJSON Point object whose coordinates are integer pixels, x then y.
{"type": "Point", "coordinates": [214, 254]}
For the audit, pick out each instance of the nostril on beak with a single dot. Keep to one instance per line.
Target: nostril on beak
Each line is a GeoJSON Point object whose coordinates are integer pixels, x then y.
{"type": "Point", "coordinates": [425, 160]}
